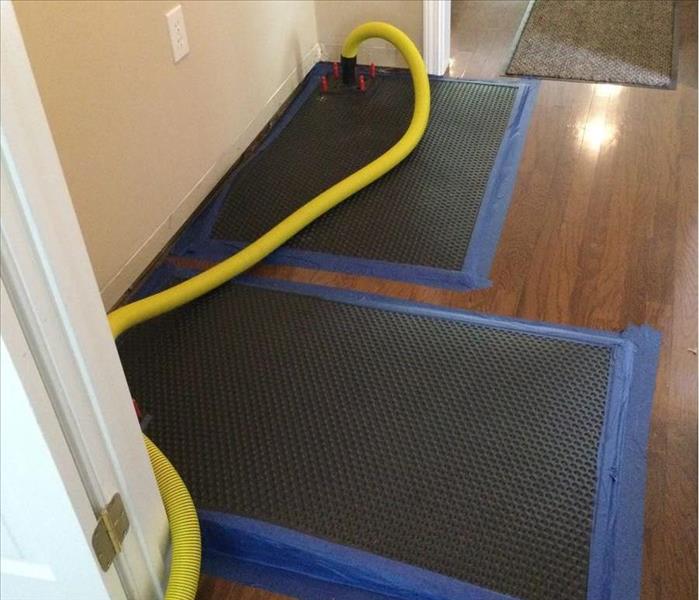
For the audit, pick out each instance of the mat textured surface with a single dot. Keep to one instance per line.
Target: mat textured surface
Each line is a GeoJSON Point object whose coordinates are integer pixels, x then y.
{"type": "Point", "coordinates": [419, 221]}
{"type": "Point", "coordinates": [426, 207]}
{"type": "Point", "coordinates": [463, 448]}
{"type": "Point", "coordinates": [617, 41]}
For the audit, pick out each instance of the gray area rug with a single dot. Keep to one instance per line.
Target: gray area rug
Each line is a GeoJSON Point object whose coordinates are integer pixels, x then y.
{"type": "Point", "coordinates": [619, 41]}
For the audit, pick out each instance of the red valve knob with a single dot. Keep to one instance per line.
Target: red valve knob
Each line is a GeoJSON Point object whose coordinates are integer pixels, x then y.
{"type": "Point", "coordinates": [336, 70]}
{"type": "Point", "coordinates": [137, 408]}
{"type": "Point", "coordinates": [323, 84]}
{"type": "Point", "coordinates": [372, 70]}
{"type": "Point", "coordinates": [362, 83]}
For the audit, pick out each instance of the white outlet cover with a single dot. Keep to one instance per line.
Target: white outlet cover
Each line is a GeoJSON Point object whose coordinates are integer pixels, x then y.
{"type": "Point", "coordinates": [178, 33]}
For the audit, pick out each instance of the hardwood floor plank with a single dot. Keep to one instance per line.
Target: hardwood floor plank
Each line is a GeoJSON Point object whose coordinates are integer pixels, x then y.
{"type": "Point", "coordinates": [218, 589]}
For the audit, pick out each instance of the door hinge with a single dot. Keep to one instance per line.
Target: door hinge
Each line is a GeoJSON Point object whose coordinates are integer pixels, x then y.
{"type": "Point", "coordinates": [110, 531]}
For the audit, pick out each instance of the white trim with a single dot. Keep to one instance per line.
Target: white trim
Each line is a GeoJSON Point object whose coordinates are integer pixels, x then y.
{"type": "Point", "coordinates": [50, 283]}
{"type": "Point", "coordinates": [139, 261]}
{"type": "Point", "coordinates": [436, 36]}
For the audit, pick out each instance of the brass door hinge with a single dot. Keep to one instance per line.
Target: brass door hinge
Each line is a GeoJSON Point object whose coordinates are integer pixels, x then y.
{"type": "Point", "coordinates": [110, 531]}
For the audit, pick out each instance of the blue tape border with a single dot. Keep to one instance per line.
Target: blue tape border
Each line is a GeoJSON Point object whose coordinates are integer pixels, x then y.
{"type": "Point", "coordinates": [243, 540]}
{"type": "Point", "coordinates": [617, 532]}
{"type": "Point", "coordinates": [616, 546]}
{"type": "Point", "coordinates": [196, 240]}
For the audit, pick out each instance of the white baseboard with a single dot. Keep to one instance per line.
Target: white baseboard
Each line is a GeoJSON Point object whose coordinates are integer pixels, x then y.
{"type": "Point", "coordinates": [115, 288]}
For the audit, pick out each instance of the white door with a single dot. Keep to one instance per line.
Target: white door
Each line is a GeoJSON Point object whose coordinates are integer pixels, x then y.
{"type": "Point", "coordinates": [72, 438]}
{"type": "Point", "coordinates": [45, 513]}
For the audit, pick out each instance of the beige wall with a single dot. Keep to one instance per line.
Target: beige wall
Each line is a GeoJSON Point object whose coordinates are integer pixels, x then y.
{"type": "Point", "coordinates": [336, 18]}
{"type": "Point", "coordinates": [143, 140]}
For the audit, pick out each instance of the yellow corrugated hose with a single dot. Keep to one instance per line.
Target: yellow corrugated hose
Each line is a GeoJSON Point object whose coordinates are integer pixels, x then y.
{"type": "Point", "coordinates": [184, 527]}
{"type": "Point", "coordinates": [181, 514]}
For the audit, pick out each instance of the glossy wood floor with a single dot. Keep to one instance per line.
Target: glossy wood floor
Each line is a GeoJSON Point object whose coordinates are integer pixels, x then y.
{"type": "Point", "coordinates": [602, 232]}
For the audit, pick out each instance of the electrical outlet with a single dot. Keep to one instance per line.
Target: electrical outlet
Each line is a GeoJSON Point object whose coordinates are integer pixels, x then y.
{"type": "Point", "coordinates": [178, 34]}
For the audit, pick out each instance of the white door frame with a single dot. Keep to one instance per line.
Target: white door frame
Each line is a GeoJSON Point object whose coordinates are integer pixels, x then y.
{"type": "Point", "coordinates": [436, 35]}
{"type": "Point", "coordinates": [53, 292]}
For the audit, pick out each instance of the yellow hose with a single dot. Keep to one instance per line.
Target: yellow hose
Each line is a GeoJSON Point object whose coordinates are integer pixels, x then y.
{"type": "Point", "coordinates": [127, 316]}
{"type": "Point", "coordinates": [184, 526]}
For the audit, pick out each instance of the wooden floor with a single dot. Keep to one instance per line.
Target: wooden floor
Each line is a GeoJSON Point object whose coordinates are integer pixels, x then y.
{"type": "Point", "coordinates": [602, 232]}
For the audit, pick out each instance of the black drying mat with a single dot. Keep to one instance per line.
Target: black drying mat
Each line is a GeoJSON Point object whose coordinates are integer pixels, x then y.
{"type": "Point", "coordinates": [465, 449]}
{"type": "Point", "coordinates": [421, 213]}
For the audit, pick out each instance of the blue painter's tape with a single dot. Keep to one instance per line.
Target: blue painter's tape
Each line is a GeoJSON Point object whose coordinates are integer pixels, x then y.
{"type": "Point", "coordinates": [250, 541]}
{"type": "Point", "coordinates": [567, 332]}
{"type": "Point", "coordinates": [196, 240]}
{"type": "Point", "coordinates": [281, 581]}
{"type": "Point", "coordinates": [162, 277]}
{"type": "Point", "coordinates": [617, 536]}
{"type": "Point", "coordinates": [217, 250]}
{"type": "Point", "coordinates": [496, 201]}
{"type": "Point", "coordinates": [246, 548]}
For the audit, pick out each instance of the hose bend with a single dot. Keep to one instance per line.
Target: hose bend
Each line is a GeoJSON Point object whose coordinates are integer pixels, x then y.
{"type": "Point", "coordinates": [184, 526]}
{"type": "Point", "coordinates": [127, 316]}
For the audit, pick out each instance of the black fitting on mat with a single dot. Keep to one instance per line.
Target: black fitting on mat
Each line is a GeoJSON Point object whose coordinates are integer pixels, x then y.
{"type": "Point", "coordinates": [348, 67]}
